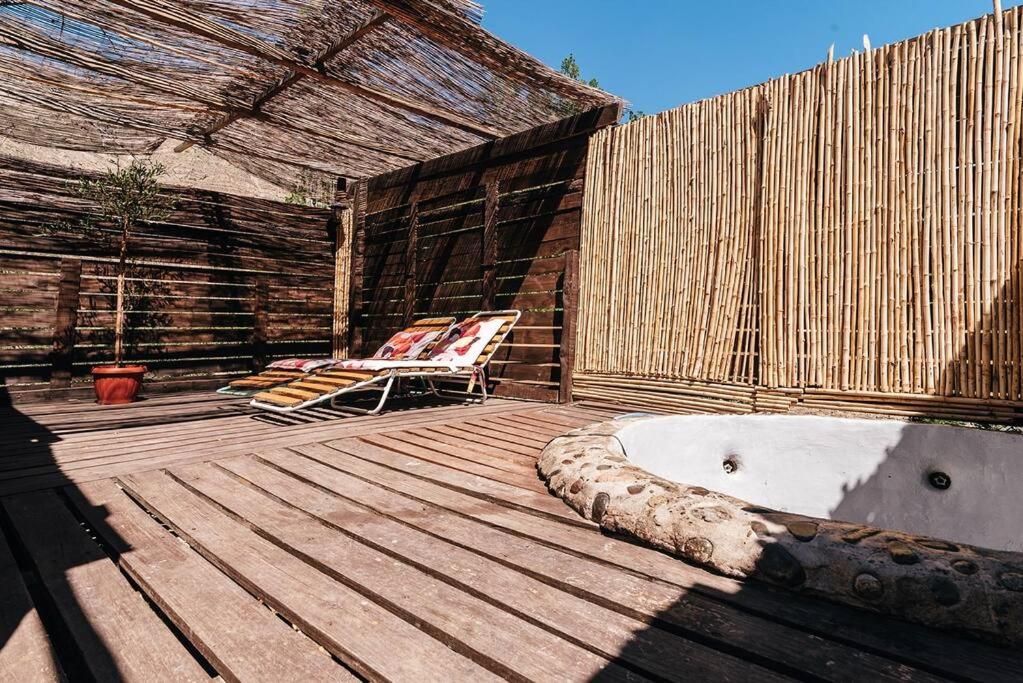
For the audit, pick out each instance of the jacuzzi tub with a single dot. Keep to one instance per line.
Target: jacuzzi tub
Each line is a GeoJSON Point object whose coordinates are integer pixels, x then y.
{"type": "Point", "coordinates": [933, 480]}
{"type": "Point", "coordinates": [924, 522]}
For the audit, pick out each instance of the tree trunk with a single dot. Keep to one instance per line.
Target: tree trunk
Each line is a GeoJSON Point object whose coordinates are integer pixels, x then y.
{"type": "Point", "coordinates": [119, 319]}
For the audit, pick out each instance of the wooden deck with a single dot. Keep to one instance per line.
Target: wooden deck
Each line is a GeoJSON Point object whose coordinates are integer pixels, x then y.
{"type": "Point", "coordinates": [185, 538]}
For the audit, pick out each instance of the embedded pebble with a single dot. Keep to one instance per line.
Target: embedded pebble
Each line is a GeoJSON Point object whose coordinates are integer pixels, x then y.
{"type": "Point", "coordinates": [1011, 580]}
{"type": "Point", "coordinates": [946, 593]}
{"type": "Point", "coordinates": [964, 567]}
{"type": "Point", "coordinates": [937, 544]}
{"type": "Point", "coordinates": [868, 586]}
{"type": "Point", "coordinates": [777, 563]}
{"type": "Point", "coordinates": [902, 553]}
{"type": "Point", "coordinates": [711, 514]}
{"type": "Point", "coordinates": [857, 535]}
{"type": "Point", "coordinates": [802, 530]}
{"type": "Point", "coordinates": [698, 549]}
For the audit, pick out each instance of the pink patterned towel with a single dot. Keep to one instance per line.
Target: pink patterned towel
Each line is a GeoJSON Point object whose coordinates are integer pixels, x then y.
{"type": "Point", "coordinates": [303, 364]}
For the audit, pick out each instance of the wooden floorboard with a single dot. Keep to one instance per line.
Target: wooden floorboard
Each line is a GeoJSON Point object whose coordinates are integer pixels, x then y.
{"type": "Point", "coordinates": [118, 634]}
{"type": "Point", "coordinates": [238, 635]}
{"type": "Point", "coordinates": [645, 601]}
{"type": "Point", "coordinates": [26, 652]}
{"type": "Point", "coordinates": [363, 634]}
{"type": "Point", "coordinates": [532, 501]}
{"type": "Point", "coordinates": [189, 537]}
{"type": "Point", "coordinates": [597, 628]}
{"type": "Point", "coordinates": [492, 637]}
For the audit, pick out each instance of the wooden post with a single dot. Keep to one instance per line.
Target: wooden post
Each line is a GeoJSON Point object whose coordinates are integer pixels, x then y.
{"type": "Point", "coordinates": [359, 200]}
{"type": "Point", "coordinates": [570, 308]}
{"type": "Point", "coordinates": [260, 308]}
{"type": "Point", "coordinates": [411, 249]}
{"type": "Point", "coordinates": [341, 220]}
{"type": "Point", "coordinates": [66, 324]}
{"type": "Point", "coordinates": [489, 246]}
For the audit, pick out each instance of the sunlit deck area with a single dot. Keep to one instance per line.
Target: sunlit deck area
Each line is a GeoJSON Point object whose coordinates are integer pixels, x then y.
{"type": "Point", "coordinates": [188, 537]}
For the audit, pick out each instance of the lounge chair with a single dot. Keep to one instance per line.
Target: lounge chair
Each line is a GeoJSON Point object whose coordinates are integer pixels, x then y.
{"type": "Point", "coordinates": [415, 341]}
{"type": "Point", "coordinates": [464, 352]}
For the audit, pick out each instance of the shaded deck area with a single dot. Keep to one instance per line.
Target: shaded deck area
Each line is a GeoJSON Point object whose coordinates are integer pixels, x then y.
{"type": "Point", "coordinates": [187, 537]}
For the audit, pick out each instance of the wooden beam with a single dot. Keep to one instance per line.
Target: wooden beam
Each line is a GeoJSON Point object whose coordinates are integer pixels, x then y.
{"type": "Point", "coordinates": [341, 219]}
{"type": "Point", "coordinates": [292, 78]}
{"type": "Point", "coordinates": [411, 248]}
{"type": "Point", "coordinates": [359, 204]}
{"type": "Point", "coordinates": [570, 313]}
{"type": "Point", "coordinates": [173, 14]}
{"type": "Point", "coordinates": [66, 323]}
{"type": "Point", "coordinates": [489, 246]}
{"type": "Point", "coordinates": [261, 305]}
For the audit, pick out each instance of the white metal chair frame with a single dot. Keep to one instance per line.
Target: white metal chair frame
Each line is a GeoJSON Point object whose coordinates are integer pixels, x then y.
{"type": "Point", "coordinates": [473, 373]}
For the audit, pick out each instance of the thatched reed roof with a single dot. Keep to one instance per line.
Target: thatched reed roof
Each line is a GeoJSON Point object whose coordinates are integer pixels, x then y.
{"type": "Point", "coordinates": [282, 88]}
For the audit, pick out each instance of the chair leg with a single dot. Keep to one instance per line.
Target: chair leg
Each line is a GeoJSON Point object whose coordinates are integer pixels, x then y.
{"type": "Point", "coordinates": [467, 396]}
{"type": "Point", "coordinates": [384, 394]}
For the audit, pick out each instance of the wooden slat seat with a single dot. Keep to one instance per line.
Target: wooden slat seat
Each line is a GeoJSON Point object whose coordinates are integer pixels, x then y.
{"type": "Point", "coordinates": [267, 376]}
{"type": "Point", "coordinates": [357, 375]}
{"type": "Point", "coordinates": [275, 398]}
{"type": "Point", "coordinates": [316, 385]}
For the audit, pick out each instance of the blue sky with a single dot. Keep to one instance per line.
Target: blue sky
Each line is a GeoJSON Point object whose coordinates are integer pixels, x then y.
{"type": "Point", "coordinates": [659, 54]}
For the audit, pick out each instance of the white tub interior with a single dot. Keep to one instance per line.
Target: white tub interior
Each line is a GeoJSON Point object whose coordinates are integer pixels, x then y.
{"type": "Point", "coordinates": [878, 472]}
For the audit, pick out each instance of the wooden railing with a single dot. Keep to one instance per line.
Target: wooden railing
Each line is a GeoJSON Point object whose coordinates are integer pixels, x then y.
{"type": "Point", "coordinates": [224, 285]}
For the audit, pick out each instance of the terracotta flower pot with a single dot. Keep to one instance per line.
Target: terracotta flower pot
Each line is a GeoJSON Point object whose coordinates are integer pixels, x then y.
{"type": "Point", "coordinates": [116, 385]}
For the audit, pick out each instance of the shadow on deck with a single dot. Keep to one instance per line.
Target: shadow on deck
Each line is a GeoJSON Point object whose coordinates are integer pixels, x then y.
{"type": "Point", "coordinates": [182, 538]}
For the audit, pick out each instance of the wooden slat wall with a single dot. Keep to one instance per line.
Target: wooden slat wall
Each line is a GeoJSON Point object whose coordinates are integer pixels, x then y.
{"type": "Point", "coordinates": [201, 279]}
{"type": "Point", "coordinates": [848, 236]}
{"type": "Point", "coordinates": [429, 250]}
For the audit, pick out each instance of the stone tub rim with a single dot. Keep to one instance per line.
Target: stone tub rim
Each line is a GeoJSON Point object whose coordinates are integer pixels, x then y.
{"type": "Point", "coordinates": [945, 584]}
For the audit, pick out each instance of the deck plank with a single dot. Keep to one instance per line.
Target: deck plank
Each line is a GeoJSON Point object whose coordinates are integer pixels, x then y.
{"type": "Point", "coordinates": [504, 643]}
{"type": "Point", "coordinates": [531, 438]}
{"type": "Point", "coordinates": [460, 555]}
{"type": "Point", "coordinates": [466, 450]}
{"type": "Point", "coordinates": [466, 434]}
{"type": "Point", "coordinates": [436, 434]}
{"type": "Point", "coordinates": [695, 616]}
{"type": "Point", "coordinates": [547, 423]}
{"type": "Point", "coordinates": [26, 652]}
{"type": "Point", "coordinates": [534, 502]}
{"type": "Point", "coordinates": [342, 620]}
{"type": "Point", "coordinates": [240, 637]}
{"type": "Point", "coordinates": [119, 635]}
{"type": "Point", "coordinates": [612, 633]}
{"type": "Point", "coordinates": [401, 442]}
{"type": "Point", "coordinates": [466, 430]}
{"type": "Point", "coordinates": [917, 646]}
{"type": "Point", "coordinates": [73, 462]}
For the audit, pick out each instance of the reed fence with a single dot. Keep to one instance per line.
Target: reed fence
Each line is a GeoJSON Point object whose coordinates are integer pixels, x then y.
{"type": "Point", "coordinates": [849, 235]}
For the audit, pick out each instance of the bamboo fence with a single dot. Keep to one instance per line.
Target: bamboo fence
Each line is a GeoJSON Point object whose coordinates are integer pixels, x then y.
{"type": "Point", "coordinates": [851, 232]}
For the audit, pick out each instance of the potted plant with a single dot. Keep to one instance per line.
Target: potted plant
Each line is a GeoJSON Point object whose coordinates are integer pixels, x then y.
{"type": "Point", "coordinates": [125, 199]}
